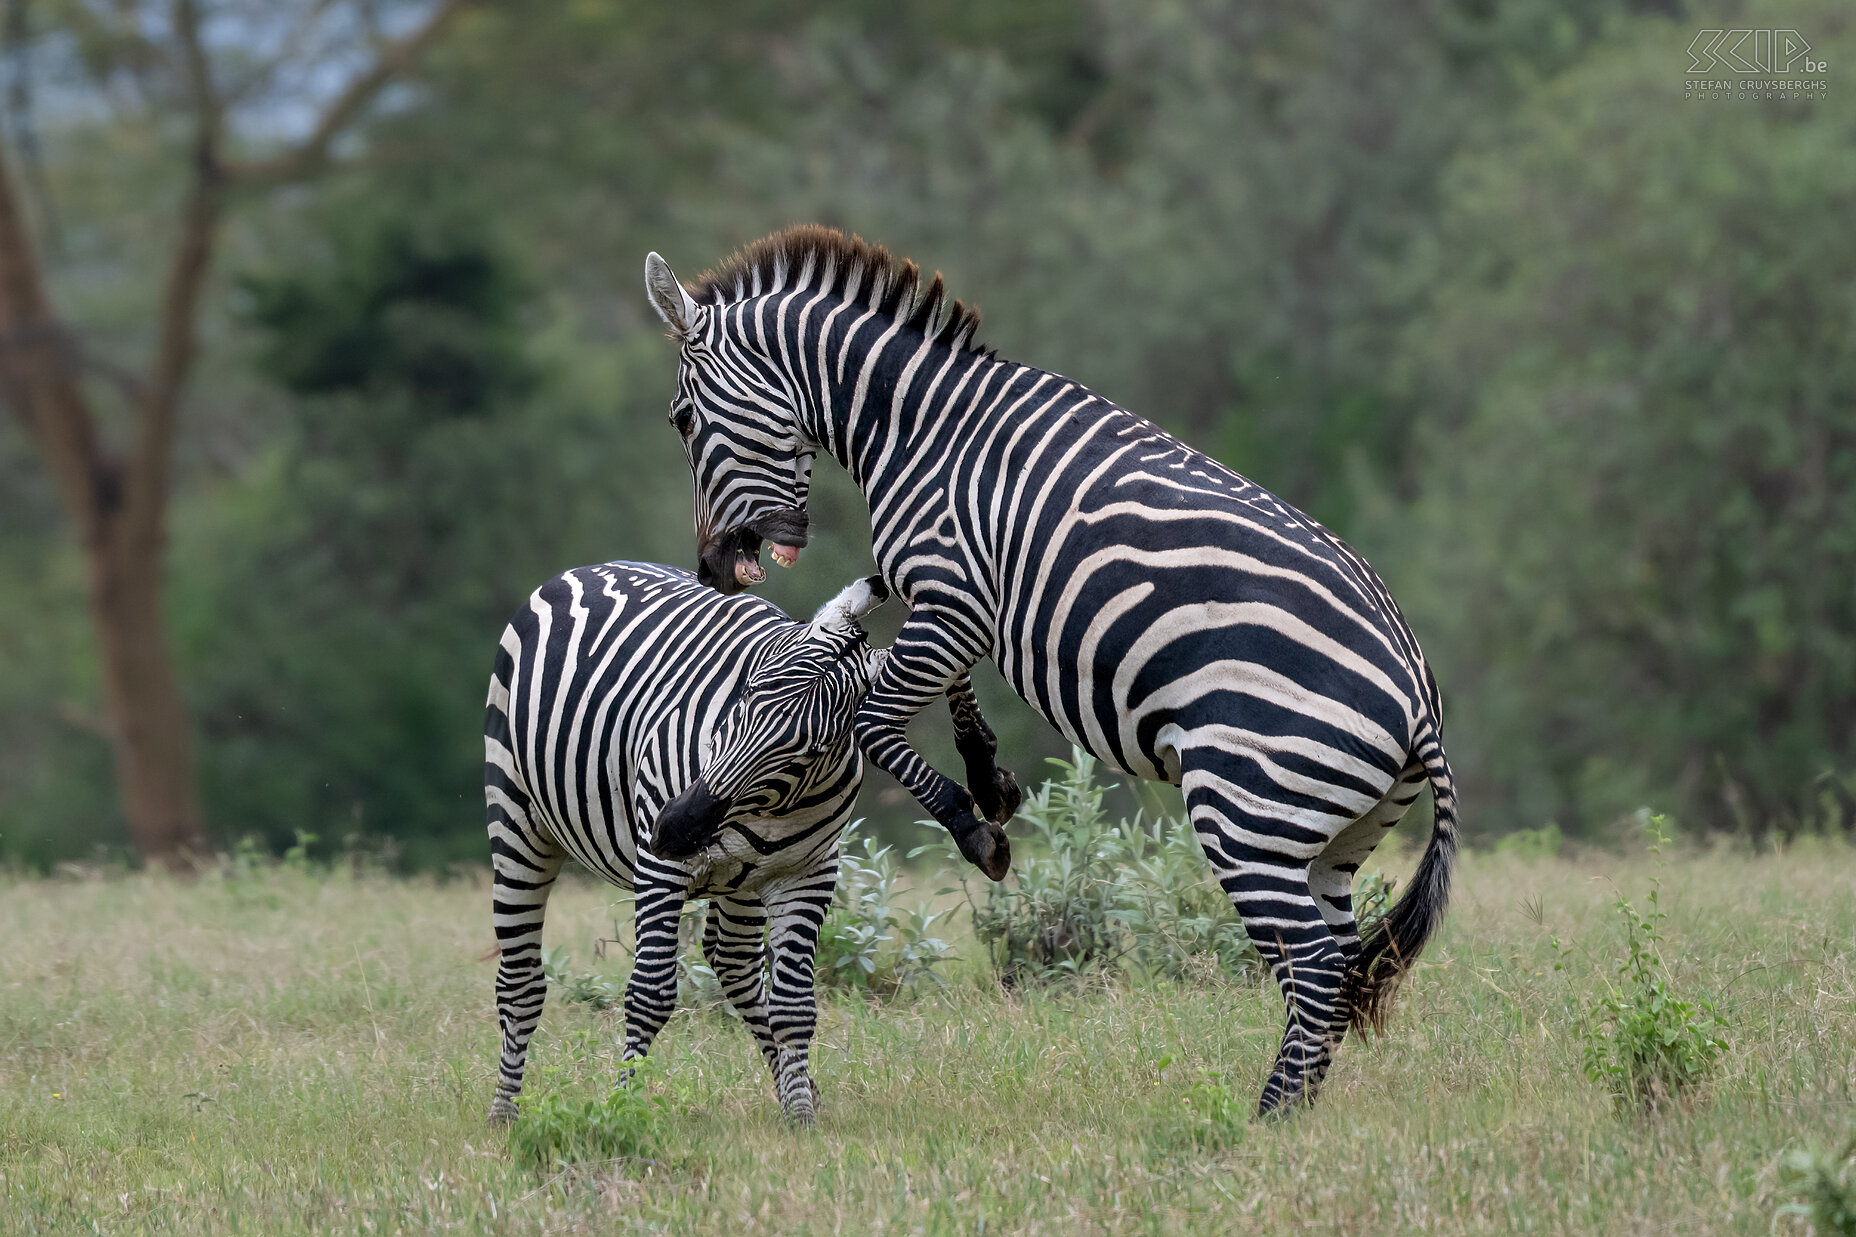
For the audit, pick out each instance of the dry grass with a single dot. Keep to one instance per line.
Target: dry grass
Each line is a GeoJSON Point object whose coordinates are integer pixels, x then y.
{"type": "Point", "coordinates": [292, 1053]}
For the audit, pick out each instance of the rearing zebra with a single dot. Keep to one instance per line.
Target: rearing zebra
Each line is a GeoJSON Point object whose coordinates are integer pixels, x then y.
{"type": "Point", "coordinates": [679, 744]}
{"type": "Point", "coordinates": [1175, 619]}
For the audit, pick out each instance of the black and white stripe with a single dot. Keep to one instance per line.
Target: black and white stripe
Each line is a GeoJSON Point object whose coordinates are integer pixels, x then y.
{"type": "Point", "coordinates": [679, 744]}
{"type": "Point", "coordinates": [1167, 614]}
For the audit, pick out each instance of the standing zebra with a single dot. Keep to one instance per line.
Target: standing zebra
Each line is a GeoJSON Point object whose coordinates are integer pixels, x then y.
{"type": "Point", "coordinates": [1173, 618]}
{"type": "Point", "coordinates": [623, 697]}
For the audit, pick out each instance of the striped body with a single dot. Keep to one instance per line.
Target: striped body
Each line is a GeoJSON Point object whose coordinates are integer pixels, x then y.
{"type": "Point", "coordinates": [612, 689]}
{"type": "Point", "coordinates": [1163, 612]}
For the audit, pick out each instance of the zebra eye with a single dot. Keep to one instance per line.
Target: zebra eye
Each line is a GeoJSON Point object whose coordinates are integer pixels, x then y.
{"type": "Point", "coordinates": [684, 418]}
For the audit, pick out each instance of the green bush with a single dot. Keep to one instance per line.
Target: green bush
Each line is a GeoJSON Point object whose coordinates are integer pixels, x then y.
{"type": "Point", "coordinates": [627, 1124]}
{"type": "Point", "coordinates": [1828, 1186]}
{"type": "Point", "coordinates": [1213, 1115]}
{"type": "Point", "coordinates": [1132, 895]}
{"type": "Point", "coordinates": [865, 943]}
{"type": "Point", "coordinates": [1642, 1041]}
{"type": "Point", "coordinates": [579, 988]}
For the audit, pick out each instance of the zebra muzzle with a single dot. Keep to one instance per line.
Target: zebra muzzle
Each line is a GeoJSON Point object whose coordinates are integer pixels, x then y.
{"type": "Point", "coordinates": [688, 822]}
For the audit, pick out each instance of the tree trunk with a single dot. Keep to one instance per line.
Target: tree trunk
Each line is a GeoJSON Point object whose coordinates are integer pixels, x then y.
{"type": "Point", "coordinates": [118, 505]}
{"type": "Point", "coordinates": [118, 512]}
{"type": "Point", "coordinates": [148, 724]}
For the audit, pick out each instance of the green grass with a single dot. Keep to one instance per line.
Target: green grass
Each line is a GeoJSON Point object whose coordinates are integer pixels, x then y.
{"type": "Point", "coordinates": [294, 1053]}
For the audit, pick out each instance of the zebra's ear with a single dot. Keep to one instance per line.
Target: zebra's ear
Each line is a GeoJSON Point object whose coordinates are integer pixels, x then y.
{"type": "Point", "coordinates": [671, 300]}
{"type": "Point", "coordinates": [841, 613]}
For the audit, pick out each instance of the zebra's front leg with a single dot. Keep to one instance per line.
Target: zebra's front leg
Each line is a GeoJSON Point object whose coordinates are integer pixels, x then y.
{"type": "Point", "coordinates": [995, 791]}
{"type": "Point", "coordinates": [734, 940]}
{"type": "Point", "coordinates": [525, 865]}
{"type": "Point", "coordinates": [796, 913]}
{"type": "Point", "coordinates": [926, 658]}
{"type": "Point", "coordinates": [651, 993]}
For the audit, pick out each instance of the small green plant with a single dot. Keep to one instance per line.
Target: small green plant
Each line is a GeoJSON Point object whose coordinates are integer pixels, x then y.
{"type": "Point", "coordinates": [1089, 894]}
{"type": "Point", "coordinates": [866, 943]}
{"type": "Point", "coordinates": [1213, 1115]}
{"type": "Point", "coordinates": [1827, 1186]}
{"type": "Point", "coordinates": [1059, 917]}
{"type": "Point", "coordinates": [1642, 1041]}
{"type": "Point", "coordinates": [296, 858]}
{"type": "Point", "coordinates": [1533, 844]}
{"type": "Point", "coordinates": [627, 1124]}
{"type": "Point", "coordinates": [1372, 898]}
{"type": "Point", "coordinates": [579, 988]}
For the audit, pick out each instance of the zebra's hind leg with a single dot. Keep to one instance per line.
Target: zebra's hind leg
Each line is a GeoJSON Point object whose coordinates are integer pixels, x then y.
{"type": "Point", "coordinates": [1330, 880]}
{"type": "Point", "coordinates": [1261, 851]}
{"type": "Point", "coordinates": [1331, 875]}
{"type": "Point", "coordinates": [525, 865]}
{"type": "Point", "coordinates": [796, 912]}
{"type": "Point", "coordinates": [651, 993]}
{"type": "Point", "coordinates": [734, 940]}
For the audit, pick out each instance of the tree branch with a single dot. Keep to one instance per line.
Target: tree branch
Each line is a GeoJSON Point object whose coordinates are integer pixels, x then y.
{"type": "Point", "coordinates": [312, 154]}
{"type": "Point", "coordinates": [38, 378]}
{"type": "Point", "coordinates": [293, 42]}
{"type": "Point", "coordinates": [145, 488]}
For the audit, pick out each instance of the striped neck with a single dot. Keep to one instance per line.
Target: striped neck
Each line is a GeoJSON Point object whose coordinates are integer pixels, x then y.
{"type": "Point", "coordinates": [877, 390]}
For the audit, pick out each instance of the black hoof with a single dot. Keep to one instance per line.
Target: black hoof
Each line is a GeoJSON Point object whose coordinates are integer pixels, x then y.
{"type": "Point", "coordinates": [998, 800]}
{"type": "Point", "coordinates": [985, 846]}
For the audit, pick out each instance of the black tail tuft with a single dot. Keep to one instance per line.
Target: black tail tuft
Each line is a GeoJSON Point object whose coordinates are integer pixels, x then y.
{"type": "Point", "coordinates": [1395, 942]}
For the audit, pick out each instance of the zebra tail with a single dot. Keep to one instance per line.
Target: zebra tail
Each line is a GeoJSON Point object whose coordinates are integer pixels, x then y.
{"type": "Point", "coordinates": [1395, 942]}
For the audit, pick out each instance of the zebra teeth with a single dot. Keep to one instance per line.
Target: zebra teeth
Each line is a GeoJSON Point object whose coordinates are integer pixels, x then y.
{"type": "Point", "coordinates": [748, 571]}
{"type": "Point", "coordinates": [785, 555]}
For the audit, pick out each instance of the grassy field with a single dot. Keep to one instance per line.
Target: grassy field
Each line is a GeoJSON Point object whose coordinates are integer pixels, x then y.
{"type": "Point", "coordinates": [292, 1052]}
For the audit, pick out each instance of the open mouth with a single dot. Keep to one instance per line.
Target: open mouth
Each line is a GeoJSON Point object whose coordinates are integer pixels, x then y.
{"type": "Point", "coordinates": [732, 561]}
{"type": "Point", "coordinates": [748, 571]}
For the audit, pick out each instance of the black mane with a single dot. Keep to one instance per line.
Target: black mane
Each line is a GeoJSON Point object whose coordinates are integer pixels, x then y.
{"type": "Point", "coordinates": [849, 265]}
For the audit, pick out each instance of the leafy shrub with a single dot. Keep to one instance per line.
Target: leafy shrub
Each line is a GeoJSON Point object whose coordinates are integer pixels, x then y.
{"type": "Point", "coordinates": [1532, 844]}
{"type": "Point", "coordinates": [598, 991]}
{"type": "Point", "coordinates": [1213, 1115]}
{"type": "Point", "coordinates": [627, 1124]}
{"type": "Point", "coordinates": [866, 943]}
{"type": "Point", "coordinates": [1090, 894]}
{"type": "Point", "coordinates": [1828, 1186]}
{"type": "Point", "coordinates": [1644, 1043]}
{"type": "Point", "coordinates": [697, 985]}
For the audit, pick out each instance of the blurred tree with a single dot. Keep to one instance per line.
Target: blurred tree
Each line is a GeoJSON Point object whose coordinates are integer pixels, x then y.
{"type": "Point", "coordinates": [368, 563]}
{"type": "Point", "coordinates": [1638, 545]}
{"type": "Point", "coordinates": [221, 72]}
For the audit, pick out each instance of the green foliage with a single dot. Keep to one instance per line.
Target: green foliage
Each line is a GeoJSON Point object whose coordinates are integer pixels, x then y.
{"type": "Point", "coordinates": [1639, 515]}
{"type": "Point", "coordinates": [579, 987]}
{"type": "Point", "coordinates": [1130, 896]}
{"type": "Point", "coordinates": [866, 943]}
{"type": "Point", "coordinates": [627, 1123]}
{"type": "Point", "coordinates": [1372, 898]}
{"type": "Point", "coordinates": [1564, 353]}
{"type": "Point", "coordinates": [1216, 1110]}
{"type": "Point", "coordinates": [1532, 844]}
{"type": "Point", "coordinates": [1827, 1184]}
{"type": "Point", "coordinates": [415, 306]}
{"type": "Point", "coordinates": [1644, 1043]}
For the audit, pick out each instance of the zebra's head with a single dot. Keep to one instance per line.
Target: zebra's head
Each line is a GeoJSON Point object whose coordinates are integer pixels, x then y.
{"type": "Point", "coordinates": [738, 418]}
{"type": "Point", "coordinates": [789, 735]}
